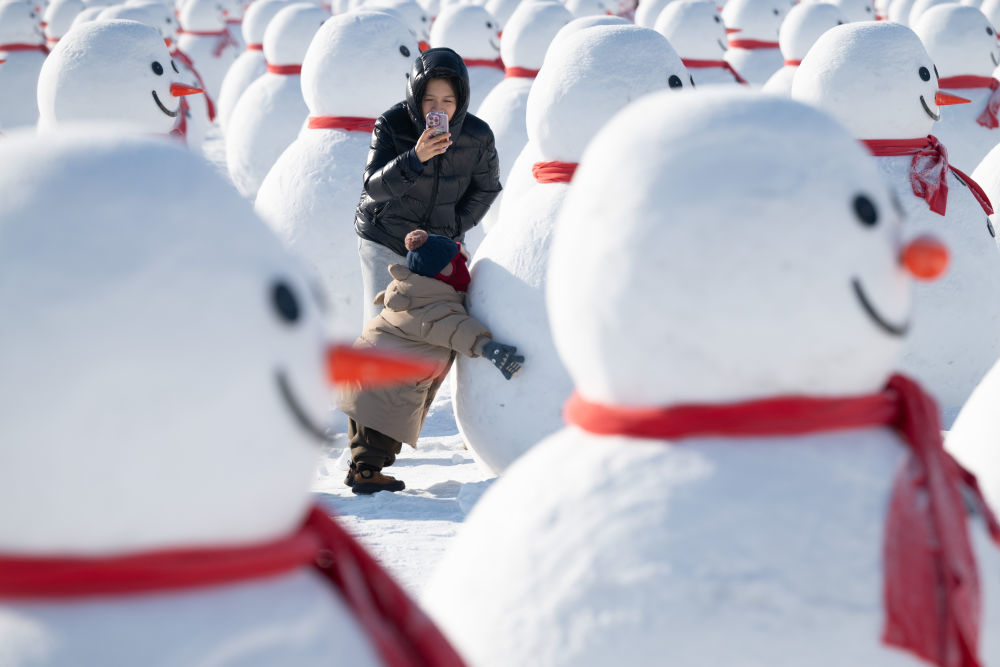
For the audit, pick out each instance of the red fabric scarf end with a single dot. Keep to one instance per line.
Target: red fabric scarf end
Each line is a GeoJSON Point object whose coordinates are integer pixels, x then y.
{"type": "Point", "coordinates": [554, 171]}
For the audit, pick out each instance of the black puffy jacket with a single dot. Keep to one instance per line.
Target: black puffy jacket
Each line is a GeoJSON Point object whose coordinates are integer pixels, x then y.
{"type": "Point", "coordinates": [453, 190]}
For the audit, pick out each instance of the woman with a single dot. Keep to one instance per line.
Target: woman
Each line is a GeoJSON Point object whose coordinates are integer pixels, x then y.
{"type": "Point", "coordinates": [442, 184]}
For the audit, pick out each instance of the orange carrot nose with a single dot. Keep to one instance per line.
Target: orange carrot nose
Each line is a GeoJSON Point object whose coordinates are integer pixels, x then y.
{"type": "Point", "coordinates": [168, 42]}
{"type": "Point", "coordinates": [423, 45]}
{"type": "Point", "coordinates": [181, 89]}
{"type": "Point", "coordinates": [374, 368]}
{"type": "Point", "coordinates": [944, 99]}
{"type": "Point", "coordinates": [730, 31]}
{"type": "Point", "coordinates": [925, 258]}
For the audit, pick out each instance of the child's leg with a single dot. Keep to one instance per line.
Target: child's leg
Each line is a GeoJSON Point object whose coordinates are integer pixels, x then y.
{"type": "Point", "coordinates": [370, 452]}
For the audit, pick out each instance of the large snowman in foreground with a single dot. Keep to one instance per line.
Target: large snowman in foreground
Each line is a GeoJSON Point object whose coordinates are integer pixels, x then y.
{"type": "Point", "coordinates": [164, 393]}
{"type": "Point", "coordinates": [310, 193]}
{"type": "Point", "coordinates": [585, 79]}
{"type": "Point", "coordinates": [722, 494]}
{"type": "Point", "coordinates": [877, 79]}
{"type": "Point", "coordinates": [114, 71]}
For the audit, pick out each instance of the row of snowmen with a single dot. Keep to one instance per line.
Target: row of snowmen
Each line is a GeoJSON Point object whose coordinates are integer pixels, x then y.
{"type": "Point", "coordinates": [720, 281]}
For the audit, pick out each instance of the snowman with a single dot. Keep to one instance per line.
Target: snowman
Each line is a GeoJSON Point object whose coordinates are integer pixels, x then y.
{"type": "Point", "coordinates": [205, 39]}
{"type": "Point", "coordinates": [473, 34]}
{"type": "Point", "coordinates": [271, 111]}
{"type": "Point", "coordinates": [859, 10]}
{"type": "Point", "coordinates": [164, 397]}
{"type": "Point", "coordinates": [877, 79]}
{"type": "Point", "coordinates": [87, 15]}
{"type": "Point", "coordinates": [526, 38]}
{"type": "Point", "coordinates": [250, 65]}
{"type": "Point", "coordinates": [586, 71]}
{"type": "Point", "coordinates": [695, 29]}
{"type": "Point", "coordinates": [58, 18]}
{"type": "Point", "coordinates": [650, 10]}
{"type": "Point", "coordinates": [234, 13]}
{"type": "Point", "coordinates": [413, 14]}
{"type": "Point", "coordinates": [722, 493]}
{"type": "Point", "coordinates": [920, 7]}
{"type": "Point", "coordinates": [115, 71]}
{"type": "Point", "coordinates": [22, 47]}
{"type": "Point", "coordinates": [804, 24]}
{"type": "Point", "coordinates": [502, 10]}
{"type": "Point", "coordinates": [753, 25]}
{"type": "Point", "coordinates": [581, 8]}
{"type": "Point", "coordinates": [964, 47]}
{"type": "Point", "coordinates": [310, 194]}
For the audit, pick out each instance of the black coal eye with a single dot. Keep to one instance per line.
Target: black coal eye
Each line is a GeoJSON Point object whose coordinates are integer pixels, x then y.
{"type": "Point", "coordinates": [989, 228]}
{"type": "Point", "coordinates": [174, 65]}
{"type": "Point", "coordinates": [776, 12]}
{"type": "Point", "coordinates": [675, 81]}
{"type": "Point", "coordinates": [924, 73]}
{"type": "Point", "coordinates": [157, 68]}
{"type": "Point", "coordinates": [285, 302]}
{"type": "Point", "coordinates": [489, 25]}
{"type": "Point", "coordinates": [989, 31]}
{"type": "Point", "coordinates": [717, 19]}
{"type": "Point", "coordinates": [169, 20]}
{"type": "Point", "coordinates": [405, 51]}
{"type": "Point", "coordinates": [865, 210]}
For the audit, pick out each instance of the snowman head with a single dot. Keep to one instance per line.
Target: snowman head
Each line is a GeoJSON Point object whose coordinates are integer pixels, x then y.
{"type": "Point", "coordinates": [161, 17]}
{"type": "Point", "coordinates": [694, 28]}
{"type": "Point", "coordinates": [469, 30]}
{"type": "Point", "coordinates": [755, 19]}
{"type": "Point", "coordinates": [87, 15]}
{"type": "Point", "coordinates": [203, 15]}
{"type": "Point", "coordinates": [804, 25]}
{"type": "Point", "coordinates": [110, 71]}
{"type": "Point", "coordinates": [756, 254]}
{"type": "Point", "coordinates": [411, 13]}
{"type": "Point", "coordinates": [59, 17]}
{"type": "Point", "coordinates": [257, 16]}
{"type": "Point", "coordinates": [529, 32]}
{"type": "Point", "coordinates": [20, 24]}
{"type": "Point", "coordinates": [288, 34]}
{"type": "Point", "coordinates": [163, 379]}
{"type": "Point", "coordinates": [332, 75]}
{"type": "Point", "coordinates": [921, 6]}
{"type": "Point", "coordinates": [856, 10]}
{"type": "Point", "coordinates": [875, 78]}
{"type": "Point", "coordinates": [590, 75]}
{"type": "Point", "coordinates": [580, 8]}
{"type": "Point", "coordinates": [960, 39]}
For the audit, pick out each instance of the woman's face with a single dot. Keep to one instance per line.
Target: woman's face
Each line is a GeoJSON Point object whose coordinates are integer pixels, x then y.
{"type": "Point", "coordinates": [439, 97]}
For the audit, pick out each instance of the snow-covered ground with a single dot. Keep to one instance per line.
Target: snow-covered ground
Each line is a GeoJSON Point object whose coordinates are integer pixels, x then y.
{"type": "Point", "coordinates": [409, 531]}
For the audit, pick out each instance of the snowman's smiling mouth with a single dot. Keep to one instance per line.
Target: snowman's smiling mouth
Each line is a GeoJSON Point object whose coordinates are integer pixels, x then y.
{"type": "Point", "coordinates": [996, 62]}
{"type": "Point", "coordinates": [297, 411]}
{"type": "Point", "coordinates": [172, 114]}
{"type": "Point", "coordinates": [935, 116]}
{"type": "Point", "coordinates": [888, 327]}
{"type": "Point", "coordinates": [494, 45]}
{"type": "Point", "coordinates": [721, 45]}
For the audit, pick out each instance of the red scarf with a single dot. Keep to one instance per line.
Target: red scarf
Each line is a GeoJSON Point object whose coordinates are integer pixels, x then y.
{"type": "Point", "coordinates": [691, 63]}
{"type": "Point", "coordinates": [752, 44]}
{"type": "Point", "coordinates": [23, 47]}
{"type": "Point", "coordinates": [928, 170]}
{"type": "Point", "coordinates": [255, 47]}
{"type": "Point", "coordinates": [459, 277]}
{"type": "Point", "coordinates": [988, 118]}
{"type": "Point", "coordinates": [284, 69]}
{"type": "Point", "coordinates": [187, 62]}
{"type": "Point", "coordinates": [931, 584]}
{"type": "Point", "coordinates": [481, 62]}
{"type": "Point", "coordinates": [181, 126]}
{"type": "Point", "coordinates": [349, 123]}
{"type": "Point", "coordinates": [554, 172]}
{"type": "Point", "coordinates": [520, 73]}
{"type": "Point", "coordinates": [225, 39]}
{"type": "Point", "coordinates": [399, 630]}
{"type": "Point", "coordinates": [793, 63]}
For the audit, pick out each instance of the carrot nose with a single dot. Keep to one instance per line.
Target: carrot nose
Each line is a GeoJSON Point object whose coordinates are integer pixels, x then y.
{"type": "Point", "coordinates": [423, 45]}
{"type": "Point", "coordinates": [181, 89]}
{"type": "Point", "coordinates": [168, 42]}
{"type": "Point", "coordinates": [730, 31]}
{"type": "Point", "coordinates": [925, 258]}
{"type": "Point", "coordinates": [944, 99]}
{"type": "Point", "coordinates": [374, 368]}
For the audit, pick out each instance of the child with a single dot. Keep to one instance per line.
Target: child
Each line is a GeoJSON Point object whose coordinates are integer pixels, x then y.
{"type": "Point", "coordinates": [423, 314]}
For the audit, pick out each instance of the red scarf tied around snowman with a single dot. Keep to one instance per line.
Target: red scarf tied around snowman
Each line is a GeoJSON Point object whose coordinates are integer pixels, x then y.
{"type": "Point", "coordinates": [930, 582]}
{"type": "Point", "coordinates": [928, 170]}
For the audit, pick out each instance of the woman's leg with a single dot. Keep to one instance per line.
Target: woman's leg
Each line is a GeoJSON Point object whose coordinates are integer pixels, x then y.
{"type": "Point", "coordinates": [375, 261]}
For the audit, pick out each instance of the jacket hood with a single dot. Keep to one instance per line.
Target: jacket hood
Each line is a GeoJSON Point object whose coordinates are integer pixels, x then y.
{"type": "Point", "coordinates": [439, 63]}
{"type": "Point", "coordinates": [409, 291]}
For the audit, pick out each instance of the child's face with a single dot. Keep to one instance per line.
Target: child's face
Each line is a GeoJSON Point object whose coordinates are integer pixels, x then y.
{"type": "Point", "coordinates": [439, 96]}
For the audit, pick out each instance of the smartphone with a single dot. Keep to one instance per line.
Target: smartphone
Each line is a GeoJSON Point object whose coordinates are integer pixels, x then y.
{"type": "Point", "coordinates": [438, 122]}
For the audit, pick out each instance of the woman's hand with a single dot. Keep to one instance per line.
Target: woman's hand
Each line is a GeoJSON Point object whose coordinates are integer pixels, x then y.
{"type": "Point", "coordinates": [429, 144]}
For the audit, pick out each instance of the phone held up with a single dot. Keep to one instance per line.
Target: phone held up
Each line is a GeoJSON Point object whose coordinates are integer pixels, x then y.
{"type": "Point", "coordinates": [438, 122]}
